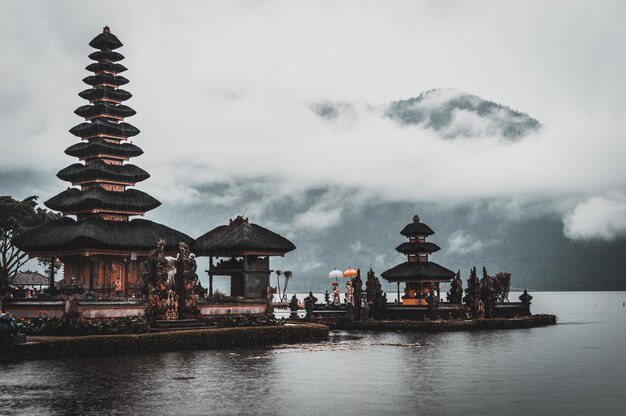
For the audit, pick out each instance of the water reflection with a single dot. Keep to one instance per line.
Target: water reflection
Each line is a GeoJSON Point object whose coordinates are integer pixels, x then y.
{"type": "Point", "coordinates": [575, 367]}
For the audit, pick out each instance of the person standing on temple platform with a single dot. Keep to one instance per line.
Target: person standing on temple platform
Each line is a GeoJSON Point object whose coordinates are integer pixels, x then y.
{"type": "Point", "coordinates": [349, 293]}
{"type": "Point", "coordinates": [336, 301]}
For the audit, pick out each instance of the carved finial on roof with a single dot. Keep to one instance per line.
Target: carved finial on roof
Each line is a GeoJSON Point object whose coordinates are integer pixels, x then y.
{"type": "Point", "coordinates": [106, 29]}
{"type": "Point", "coordinates": [237, 221]}
{"type": "Point", "coordinates": [416, 218]}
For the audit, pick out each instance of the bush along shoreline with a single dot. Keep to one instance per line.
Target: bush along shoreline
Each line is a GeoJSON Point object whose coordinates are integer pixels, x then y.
{"type": "Point", "coordinates": [197, 339]}
{"type": "Point", "coordinates": [68, 326]}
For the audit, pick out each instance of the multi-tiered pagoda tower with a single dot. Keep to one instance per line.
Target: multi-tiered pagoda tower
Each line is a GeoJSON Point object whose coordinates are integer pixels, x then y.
{"type": "Point", "coordinates": [102, 248]}
{"type": "Point", "coordinates": [419, 274]}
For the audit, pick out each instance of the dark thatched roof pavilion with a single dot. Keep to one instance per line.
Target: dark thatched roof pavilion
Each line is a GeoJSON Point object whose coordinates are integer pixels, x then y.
{"type": "Point", "coordinates": [247, 248]}
{"type": "Point", "coordinates": [240, 238]}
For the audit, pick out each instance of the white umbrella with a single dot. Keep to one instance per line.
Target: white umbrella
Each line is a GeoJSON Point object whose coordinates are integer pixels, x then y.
{"type": "Point", "coordinates": [335, 274]}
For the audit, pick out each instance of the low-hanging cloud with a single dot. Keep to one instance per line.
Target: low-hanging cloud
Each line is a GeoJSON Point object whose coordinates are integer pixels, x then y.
{"type": "Point", "coordinates": [597, 218]}
{"type": "Point", "coordinates": [218, 105]}
{"type": "Point", "coordinates": [462, 242]}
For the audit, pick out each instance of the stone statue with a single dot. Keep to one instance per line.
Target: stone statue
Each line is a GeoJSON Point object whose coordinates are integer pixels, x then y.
{"type": "Point", "coordinates": [433, 305]}
{"type": "Point", "coordinates": [455, 295]}
{"type": "Point", "coordinates": [376, 297]}
{"type": "Point", "coordinates": [154, 269]}
{"type": "Point", "coordinates": [269, 293]}
{"type": "Point", "coordinates": [172, 305]}
{"type": "Point", "coordinates": [525, 298]}
{"type": "Point", "coordinates": [293, 306]}
{"type": "Point", "coordinates": [71, 307]}
{"type": "Point", "coordinates": [185, 279]}
{"type": "Point", "coordinates": [309, 305]}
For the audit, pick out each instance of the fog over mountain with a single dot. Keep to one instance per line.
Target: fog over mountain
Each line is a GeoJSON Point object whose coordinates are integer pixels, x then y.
{"type": "Point", "coordinates": [449, 112]}
{"type": "Point", "coordinates": [299, 114]}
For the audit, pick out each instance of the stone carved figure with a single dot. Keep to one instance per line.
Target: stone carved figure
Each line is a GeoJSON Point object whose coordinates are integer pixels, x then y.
{"type": "Point", "coordinates": [376, 297]}
{"type": "Point", "coordinates": [489, 294]}
{"type": "Point", "coordinates": [154, 275]}
{"type": "Point", "coordinates": [185, 278]}
{"type": "Point", "coordinates": [293, 306]}
{"type": "Point", "coordinates": [309, 305]}
{"type": "Point", "coordinates": [433, 305]}
{"type": "Point", "coordinates": [71, 307]}
{"type": "Point", "coordinates": [455, 295]}
{"type": "Point", "coordinates": [525, 298]}
{"type": "Point", "coordinates": [269, 293]}
{"type": "Point", "coordinates": [172, 305]}
{"type": "Point", "coordinates": [171, 293]}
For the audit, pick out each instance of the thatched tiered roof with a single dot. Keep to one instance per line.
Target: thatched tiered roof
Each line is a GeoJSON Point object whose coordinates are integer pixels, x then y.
{"type": "Point", "coordinates": [103, 203]}
{"type": "Point", "coordinates": [75, 200]}
{"type": "Point", "coordinates": [417, 268]}
{"type": "Point", "coordinates": [418, 271]}
{"type": "Point", "coordinates": [66, 236]}
{"type": "Point", "coordinates": [241, 238]}
{"type": "Point", "coordinates": [416, 228]}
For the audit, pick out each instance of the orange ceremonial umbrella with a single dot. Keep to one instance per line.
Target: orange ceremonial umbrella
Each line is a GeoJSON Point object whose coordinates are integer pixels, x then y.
{"type": "Point", "coordinates": [350, 273]}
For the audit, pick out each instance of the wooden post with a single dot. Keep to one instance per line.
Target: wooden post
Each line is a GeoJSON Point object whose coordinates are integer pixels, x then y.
{"type": "Point", "coordinates": [245, 275]}
{"type": "Point", "coordinates": [125, 283]}
{"type": "Point", "coordinates": [52, 274]}
{"type": "Point", "coordinates": [399, 301]}
{"type": "Point", "coordinates": [211, 276]}
{"type": "Point", "coordinates": [93, 269]}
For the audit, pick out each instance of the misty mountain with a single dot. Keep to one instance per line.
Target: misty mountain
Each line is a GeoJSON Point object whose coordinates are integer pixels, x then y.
{"type": "Point", "coordinates": [334, 227]}
{"type": "Point", "coordinates": [339, 228]}
{"type": "Point", "coordinates": [449, 112]}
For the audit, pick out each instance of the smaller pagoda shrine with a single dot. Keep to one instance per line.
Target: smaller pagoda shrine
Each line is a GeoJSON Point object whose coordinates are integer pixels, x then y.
{"type": "Point", "coordinates": [242, 251]}
{"type": "Point", "coordinates": [418, 273]}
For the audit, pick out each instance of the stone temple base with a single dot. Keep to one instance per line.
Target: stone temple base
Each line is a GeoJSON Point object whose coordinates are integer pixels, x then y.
{"type": "Point", "coordinates": [34, 308]}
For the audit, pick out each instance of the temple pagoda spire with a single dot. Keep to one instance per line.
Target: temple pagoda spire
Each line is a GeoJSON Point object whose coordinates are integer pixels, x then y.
{"type": "Point", "coordinates": [419, 274]}
{"type": "Point", "coordinates": [102, 248]}
{"type": "Point", "coordinates": [103, 177]}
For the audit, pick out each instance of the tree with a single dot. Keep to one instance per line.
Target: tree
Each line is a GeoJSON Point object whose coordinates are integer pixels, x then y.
{"type": "Point", "coordinates": [17, 217]}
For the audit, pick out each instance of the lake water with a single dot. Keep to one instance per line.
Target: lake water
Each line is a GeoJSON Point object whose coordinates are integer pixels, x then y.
{"type": "Point", "coordinates": [575, 367]}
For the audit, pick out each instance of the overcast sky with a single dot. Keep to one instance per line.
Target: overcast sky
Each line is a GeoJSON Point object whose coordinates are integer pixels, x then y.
{"type": "Point", "coordinates": [223, 93]}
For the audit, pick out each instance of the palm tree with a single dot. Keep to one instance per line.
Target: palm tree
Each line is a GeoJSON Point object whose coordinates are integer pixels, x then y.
{"type": "Point", "coordinates": [288, 276]}
{"type": "Point", "coordinates": [278, 273]}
